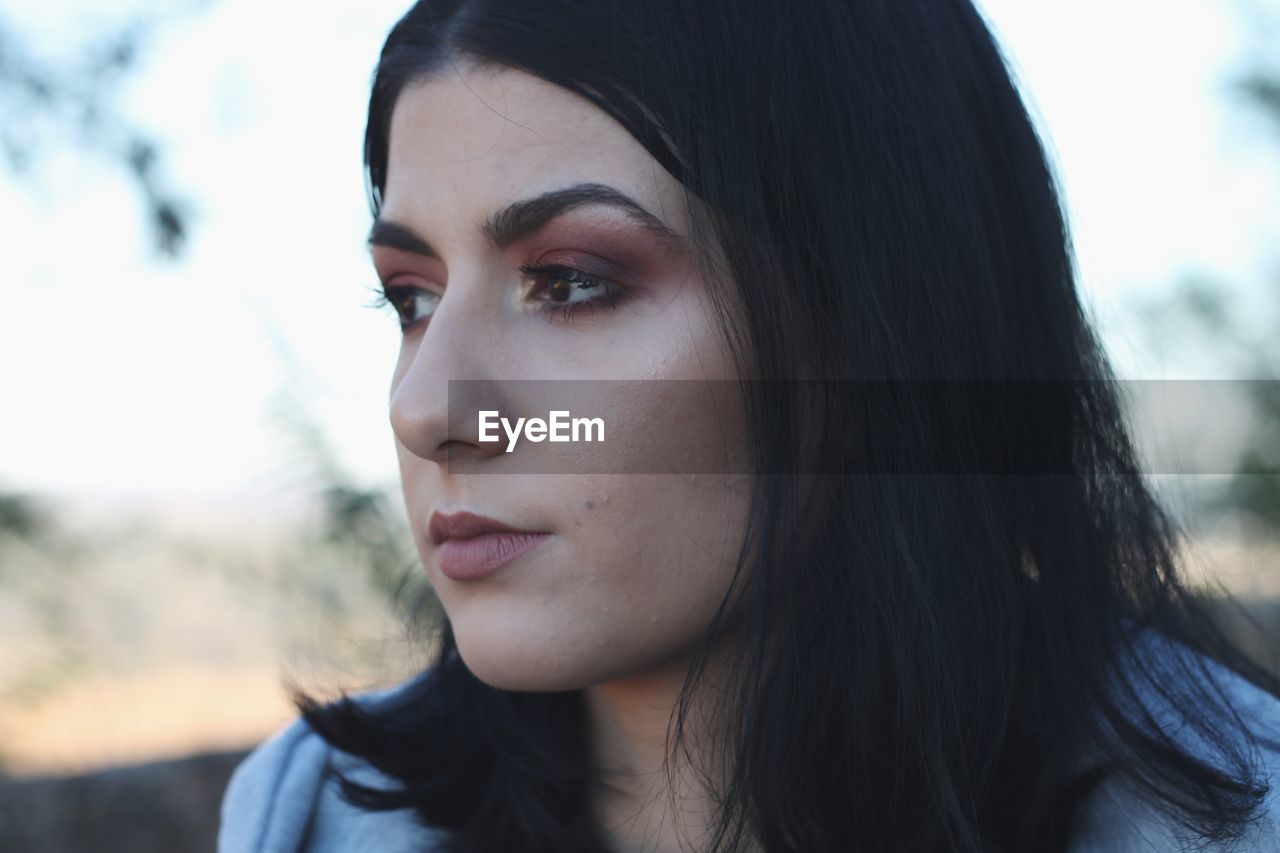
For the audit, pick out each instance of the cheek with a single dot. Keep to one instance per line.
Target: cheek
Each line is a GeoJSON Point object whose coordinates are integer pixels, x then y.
{"type": "Point", "coordinates": [657, 555]}
{"type": "Point", "coordinates": [629, 587]}
{"type": "Point", "coordinates": [663, 544]}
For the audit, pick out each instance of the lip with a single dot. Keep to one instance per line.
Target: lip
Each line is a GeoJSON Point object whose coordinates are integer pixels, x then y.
{"type": "Point", "coordinates": [471, 546]}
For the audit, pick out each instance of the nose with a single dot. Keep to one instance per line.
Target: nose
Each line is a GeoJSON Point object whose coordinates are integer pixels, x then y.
{"type": "Point", "coordinates": [433, 414]}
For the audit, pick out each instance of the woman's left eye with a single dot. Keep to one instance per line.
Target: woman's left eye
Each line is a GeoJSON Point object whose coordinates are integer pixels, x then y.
{"type": "Point", "coordinates": [410, 303]}
{"type": "Point", "coordinates": [566, 290]}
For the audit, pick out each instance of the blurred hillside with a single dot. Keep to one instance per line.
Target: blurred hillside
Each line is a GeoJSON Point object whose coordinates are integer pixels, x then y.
{"type": "Point", "coordinates": [141, 660]}
{"type": "Point", "coordinates": [146, 638]}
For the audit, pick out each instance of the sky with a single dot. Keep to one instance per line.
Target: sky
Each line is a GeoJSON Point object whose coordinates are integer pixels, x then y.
{"type": "Point", "coordinates": [128, 380]}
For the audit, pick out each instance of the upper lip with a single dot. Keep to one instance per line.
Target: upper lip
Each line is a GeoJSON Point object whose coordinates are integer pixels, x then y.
{"type": "Point", "coordinates": [465, 525]}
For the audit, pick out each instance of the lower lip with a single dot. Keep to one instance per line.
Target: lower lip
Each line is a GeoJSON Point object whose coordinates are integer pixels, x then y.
{"type": "Point", "coordinates": [468, 559]}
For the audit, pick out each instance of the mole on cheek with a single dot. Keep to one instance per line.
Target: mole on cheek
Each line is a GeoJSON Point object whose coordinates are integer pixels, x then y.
{"type": "Point", "coordinates": [589, 504]}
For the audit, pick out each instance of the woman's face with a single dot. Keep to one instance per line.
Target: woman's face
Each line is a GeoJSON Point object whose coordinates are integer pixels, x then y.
{"type": "Point", "coordinates": [632, 565]}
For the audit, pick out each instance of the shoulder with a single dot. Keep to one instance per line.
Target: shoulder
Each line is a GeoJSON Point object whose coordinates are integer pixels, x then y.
{"type": "Point", "coordinates": [1114, 818]}
{"type": "Point", "coordinates": [284, 796]}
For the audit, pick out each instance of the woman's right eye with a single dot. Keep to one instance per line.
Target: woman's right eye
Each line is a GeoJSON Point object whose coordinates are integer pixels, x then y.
{"type": "Point", "coordinates": [409, 303]}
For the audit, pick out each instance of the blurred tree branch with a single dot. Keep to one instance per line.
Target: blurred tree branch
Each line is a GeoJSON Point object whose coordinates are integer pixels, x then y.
{"type": "Point", "coordinates": [359, 523]}
{"type": "Point", "coordinates": [72, 101]}
{"type": "Point", "coordinates": [1264, 90]}
{"type": "Point", "coordinates": [1208, 307]}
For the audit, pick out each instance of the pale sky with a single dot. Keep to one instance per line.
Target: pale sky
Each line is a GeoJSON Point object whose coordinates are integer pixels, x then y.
{"type": "Point", "coordinates": [126, 379]}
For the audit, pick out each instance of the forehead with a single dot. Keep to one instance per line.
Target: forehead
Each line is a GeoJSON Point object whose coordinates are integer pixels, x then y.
{"type": "Point", "coordinates": [478, 137]}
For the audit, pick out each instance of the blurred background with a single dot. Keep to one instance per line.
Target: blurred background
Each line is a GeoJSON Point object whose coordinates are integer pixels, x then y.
{"type": "Point", "coordinates": [198, 488]}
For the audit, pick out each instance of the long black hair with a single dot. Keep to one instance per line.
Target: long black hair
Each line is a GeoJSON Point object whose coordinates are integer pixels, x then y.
{"type": "Point", "coordinates": [927, 655]}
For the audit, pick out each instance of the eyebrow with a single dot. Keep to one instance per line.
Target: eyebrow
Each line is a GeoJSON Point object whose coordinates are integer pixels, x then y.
{"type": "Point", "coordinates": [524, 218]}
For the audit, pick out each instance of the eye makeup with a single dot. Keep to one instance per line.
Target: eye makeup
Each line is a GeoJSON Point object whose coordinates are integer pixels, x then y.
{"type": "Point", "coordinates": [566, 292]}
{"type": "Point", "coordinates": [578, 270]}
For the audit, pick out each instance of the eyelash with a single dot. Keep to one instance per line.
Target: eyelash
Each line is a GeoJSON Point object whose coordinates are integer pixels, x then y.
{"type": "Point", "coordinates": [384, 296]}
{"type": "Point", "coordinates": [613, 296]}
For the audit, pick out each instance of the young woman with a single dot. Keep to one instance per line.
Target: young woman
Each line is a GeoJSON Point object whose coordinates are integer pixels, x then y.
{"type": "Point", "coordinates": [877, 602]}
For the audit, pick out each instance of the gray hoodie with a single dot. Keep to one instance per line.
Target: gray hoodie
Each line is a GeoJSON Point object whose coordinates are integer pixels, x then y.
{"type": "Point", "coordinates": [280, 798]}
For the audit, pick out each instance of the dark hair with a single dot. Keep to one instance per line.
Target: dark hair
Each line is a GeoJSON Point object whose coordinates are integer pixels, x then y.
{"type": "Point", "coordinates": [928, 654]}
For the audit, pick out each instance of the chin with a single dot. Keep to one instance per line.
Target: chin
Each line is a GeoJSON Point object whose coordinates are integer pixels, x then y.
{"type": "Point", "coordinates": [518, 660]}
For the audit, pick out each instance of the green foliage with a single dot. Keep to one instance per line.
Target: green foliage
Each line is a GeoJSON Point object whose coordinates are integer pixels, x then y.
{"type": "Point", "coordinates": [1204, 308]}
{"type": "Point", "coordinates": [47, 104]}
{"type": "Point", "coordinates": [357, 522]}
{"type": "Point", "coordinates": [21, 517]}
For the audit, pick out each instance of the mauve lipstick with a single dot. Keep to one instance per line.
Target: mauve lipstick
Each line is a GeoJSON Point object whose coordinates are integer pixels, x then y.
{"type": "Point", "coordinates": [472, 546]}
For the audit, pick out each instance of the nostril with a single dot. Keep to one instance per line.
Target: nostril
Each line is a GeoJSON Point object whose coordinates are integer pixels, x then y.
{"type": "Point", "coordinates": [453, 449]}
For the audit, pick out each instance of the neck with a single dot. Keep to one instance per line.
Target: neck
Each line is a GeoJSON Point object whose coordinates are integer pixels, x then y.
{"type": "Point", "coordinates": [652, 807]}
